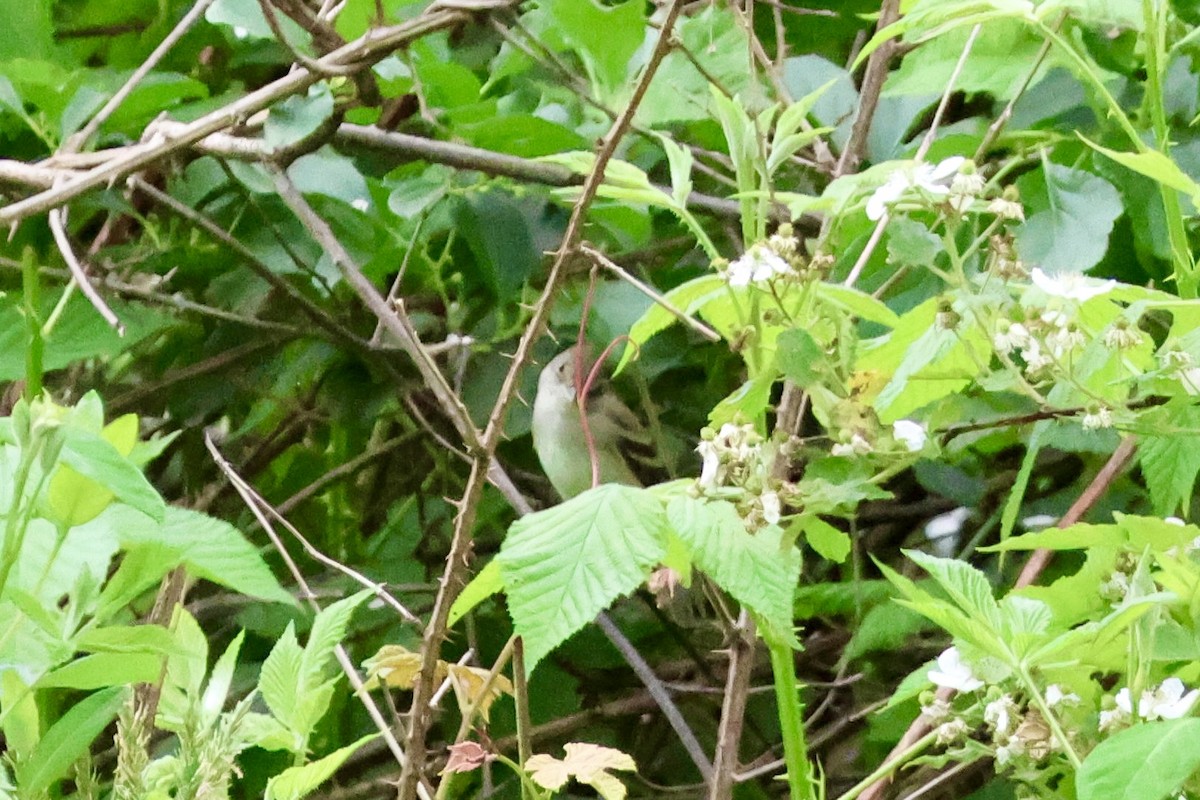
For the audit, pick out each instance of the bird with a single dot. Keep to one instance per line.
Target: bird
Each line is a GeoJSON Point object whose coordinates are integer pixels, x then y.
{"type": "Point", "coordinates": [558, 435]}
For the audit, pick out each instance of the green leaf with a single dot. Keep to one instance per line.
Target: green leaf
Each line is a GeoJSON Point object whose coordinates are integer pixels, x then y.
{"type": "Point", "coordinates": [92, 457]}
{"type": "Point", "coordinates": [296, 782]}
{"type": "Point", "coordinates": [747, 402]}
{"type": "Point", "coordinates": [757, 570]}
{"type": "Point", "coordinates": [564, 565]}
{"type": "Point", "coordinates": [289, 121]}
{"type": "Point", "coordinates": [1153, 165]}
{"type": "Point", "coordinates": [967, 586]}
{"type": "Point", "coordinates": [481, 587]}
{"type": "Point", "coordinates": [68, 739]}
{"type": "Point", "coordinates": [279, 680]}
{"type": "Point", "coordinates": [1149, 761]}
{"type": "Point", "coordinates": [605, 37]}
{"type": "Point", "coordinates": [687, 297]}
{"type": "Point", "coordinates": [209, 547]}
{"type": "Point", "coordinates": [128, 639]}
{"type": "Point", "coordinates": [328, 630]}
{"type": "Point", "coordinates": [1071, 233]}
{"type": "Point", "coordinates": [105, 669]}
{"type": "Point", "coordinates": [800, 358]}
{"type": "Point", "coordinates": [1170, 460]}
{"type": "Point", "coordinates": [860, 304]}
{"type": "Point", "coordinates": [826, 540]}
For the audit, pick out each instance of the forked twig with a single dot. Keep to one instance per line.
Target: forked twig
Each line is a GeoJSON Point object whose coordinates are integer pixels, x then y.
{"type": "Point", "coordinates": [249, 497]}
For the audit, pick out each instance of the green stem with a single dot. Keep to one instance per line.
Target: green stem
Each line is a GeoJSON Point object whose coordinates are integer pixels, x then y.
{"type": "Point", "coordinates": [31, 290]}
{"type": "Point", "coordinates": [791, 718]}
{"type": "Point", "coordinates": [1036, 698]}
{"type": "Point", "coordinates": [527, 784]}
{"type": "Point", "coordinates": [17, 520]}
{"type": "Point", "coordinates": [1185, 267]}
{"type": "Point", "coordinates": [890, 766]}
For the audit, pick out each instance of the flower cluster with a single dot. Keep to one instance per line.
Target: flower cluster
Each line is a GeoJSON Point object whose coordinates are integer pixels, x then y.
{"type": "Point", "coordinates": [1048, 336]}
{"type": "Point", "coordinates": [736, 458]}
{"type": "Point", "coordinates": [953, 182]}
{"type": "Point", "coordinates": [1169, 700]}
{"type": "Point", "coordinates": [778, 258]}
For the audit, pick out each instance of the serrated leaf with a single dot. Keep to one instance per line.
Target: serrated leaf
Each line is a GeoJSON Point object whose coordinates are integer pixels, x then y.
{"type": "Point", "coordinates": [1146, 762]}
{"type": "Point", "coordinates": [92, 457]}
{"type": "Point", "coordinates": [688, 298]}
{"type": "Point", "coordinates": [279, 680]}
{"type": "Point", "coordinates": [328, 630]}
{"type": "Point", "coordinates": [756, 569]}
{"type": "Point", "coordinates": [564, 565]}
{"type": "Point", "coordinates": [966, 586]}
{"type": "Point", "coordinates": [487, 583]}
{"type": "Point", "coordinates": [68, 739]}
{"type": "Point", "coordinates": [296, 782]}
{"type": "Point", "coordinates": [1170, 461]}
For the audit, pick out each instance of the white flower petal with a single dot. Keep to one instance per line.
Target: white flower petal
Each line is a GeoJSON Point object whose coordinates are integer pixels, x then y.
{"type": "Point", "coordinates": [952, 673]}
{"type": "Point", "coordinates": [1071, 286]}
{"type": "Point", "coordinates": [912, 434]}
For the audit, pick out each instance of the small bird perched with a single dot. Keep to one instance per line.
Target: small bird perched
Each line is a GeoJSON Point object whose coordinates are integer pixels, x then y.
{"type": "Point", "coordinates": [558, 435]}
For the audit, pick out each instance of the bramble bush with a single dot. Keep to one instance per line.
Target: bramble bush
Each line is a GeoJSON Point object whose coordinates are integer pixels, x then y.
{"type": "Point", "coordinates": [906, 292]}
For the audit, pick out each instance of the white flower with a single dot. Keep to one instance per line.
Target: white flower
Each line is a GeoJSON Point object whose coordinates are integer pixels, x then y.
{"type": "Point", "coordinates": [1056, 697]}
{"type": "Point", "coordinates": [1013, 750]}
{"type": "Point", "coordinates": [360, 203]}
{"type": "Point", "coordinates": [1010, 336]}
{"type": "Point", "coordinates": [1006, 209]}
{"type": "Point", "coordinates": [952, 673]}
{"type": "Point", "coordinates": [912, 434]}
{"type": "Point", "coordinates": [239, 32]}
{"type": "Point", "coordinates": [1071, 286]}
{"type": "Point", "coordinates": [759, 264]}
{"type": "Point", "coordinates": [1168, 701]}
{"type": "Point", "coordinates": [934, 179]}
{"type": "Point", "coordinates": [1100, 418]}
{"type": "Point", "coordinates": [857, 446]}
{"type": "Point", "coordinates": [771, 507]}
{"type": "Point", "coordinates": [948, 524]}
{"type": "Point", "coordinates": [710, 472]}
{"type": "Point", "coordinates": [1001, 714]}
{"type": "Point", "coordinates": [1174, 521]}
{"type": "Point", "coordinates": [1113, 718]}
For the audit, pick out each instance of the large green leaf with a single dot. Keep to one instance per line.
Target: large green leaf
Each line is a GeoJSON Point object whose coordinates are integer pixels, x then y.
{"type": "Point", "coordinates": [296, 782]}
{"type": "Point", "coordinates": [564, 565]}
{"type": "Point", "coordinates": [1146, 762]}
{"type": "Point", "coordinates": [605, 37]}
{"type": "Point", "coordinates": [68, 739]}
{"type": "Point", "coordinates": [757, 570]}
{"type": "Point", "coordinates": [1070, 232]}
{"type": "Point", "coordinates": [93, 457]}
{"type": "Point", "coordinates": [208, 547]}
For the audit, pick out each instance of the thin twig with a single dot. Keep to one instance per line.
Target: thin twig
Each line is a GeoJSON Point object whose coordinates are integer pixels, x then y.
{"type": "Point", "coordinates": [58, 228]}
{"type": "Point", "coordinates": [248, 496]}
{"type": "Point", "coordinates": [868, 95]}
{"type": "Point", "coordinates": [733, 708]}
{"type": "Point", "coordinates": [453, 576]}
{"type": "Point", "coordinates": [79, 140]}
{"type": "Point", "coordinates": [659, 692]}
{"type": "Point", "coordinates": [926, 143]}
{"type": "Point", "coordinates": [695, 324]}
{"type": "Point", "coordinates": [372, 46]}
